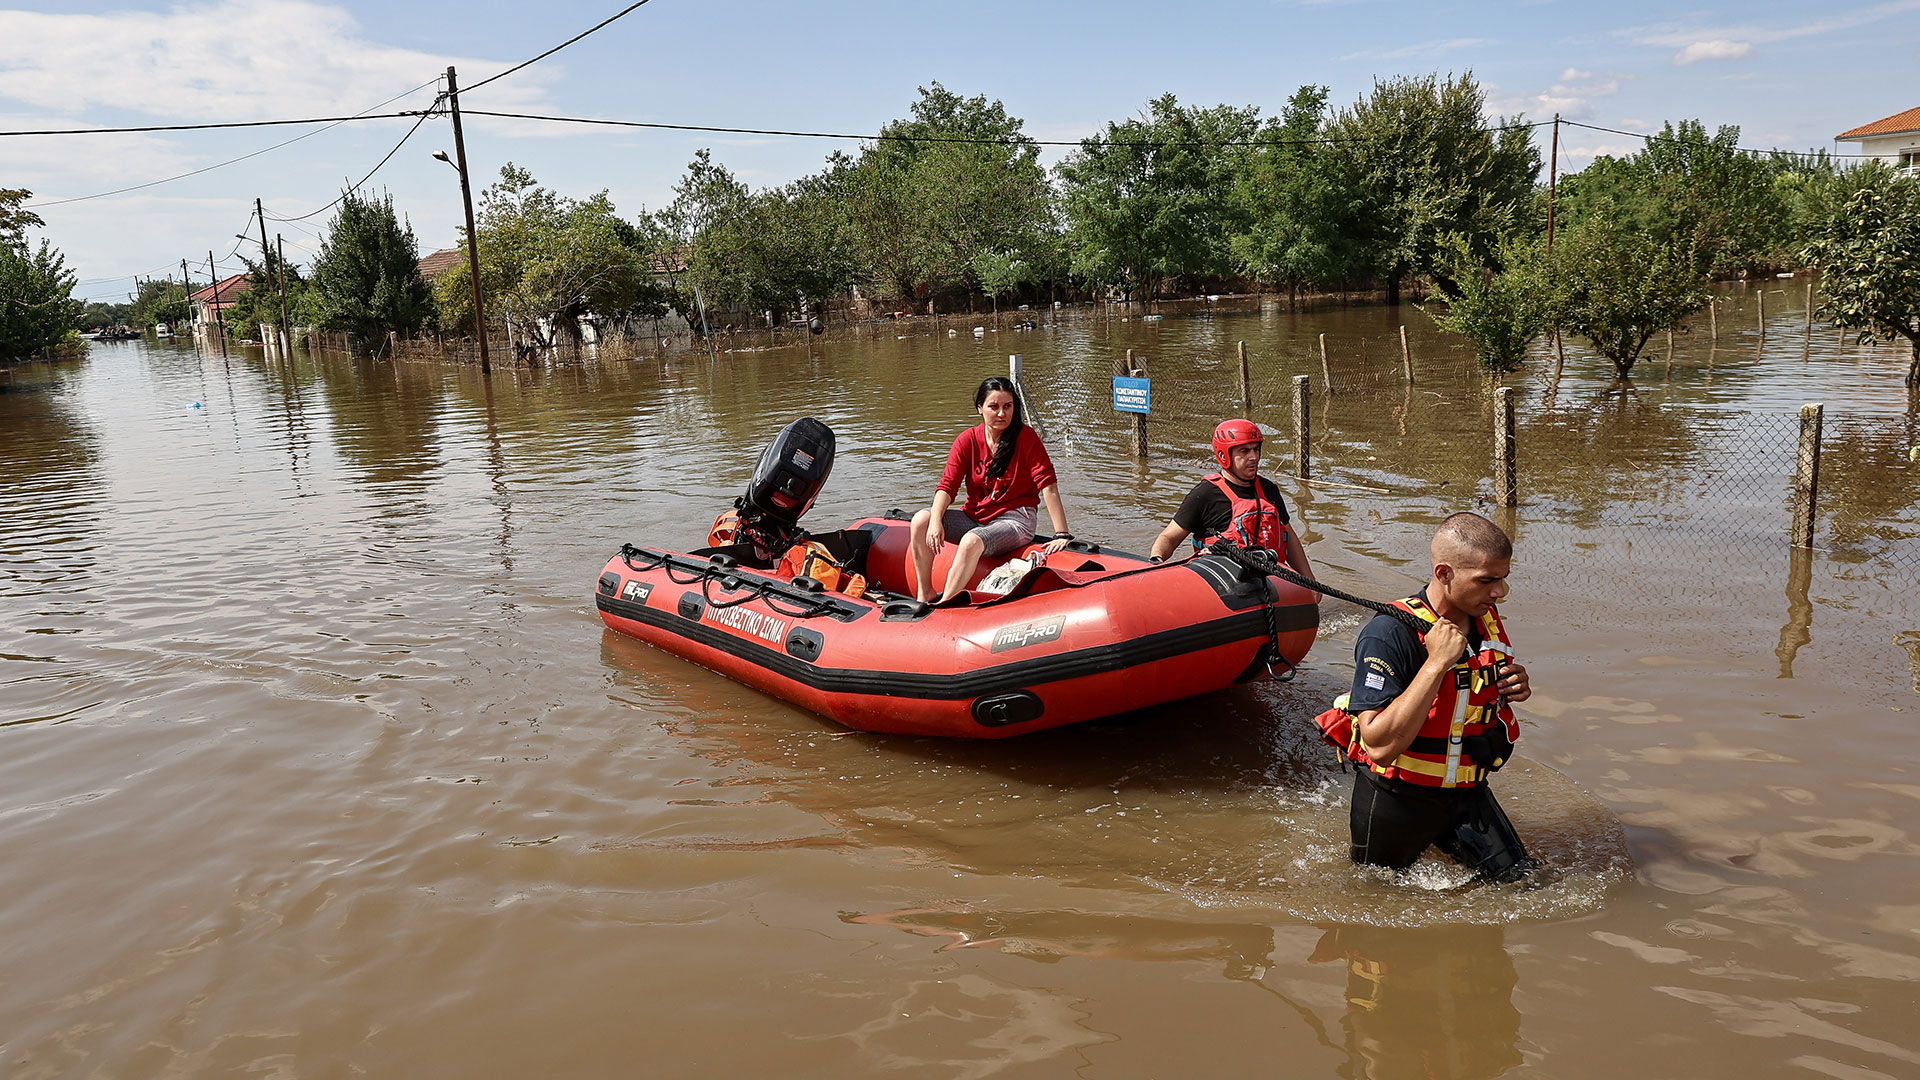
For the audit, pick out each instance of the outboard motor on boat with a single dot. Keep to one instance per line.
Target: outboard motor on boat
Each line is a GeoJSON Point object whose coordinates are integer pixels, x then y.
{"type": "Point", "coordinates": [787, 479]}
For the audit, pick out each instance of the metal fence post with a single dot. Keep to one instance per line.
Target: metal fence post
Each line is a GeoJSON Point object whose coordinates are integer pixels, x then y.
{"type": "Point", "coordinates": [1128, 368]}
{"type": "Point", "coordinates": [1246, 385]}
{"type": "Point", "coordinates": [1326, 373]}
{"type": "Point", "coordinates": [1806, 476]}
{"type": "Point", "coordinates": [1504, 472]}
{"type": "Point", "coordinates": [1406, 354]}
{"type": "Point", "coordinates": [1302, 402]}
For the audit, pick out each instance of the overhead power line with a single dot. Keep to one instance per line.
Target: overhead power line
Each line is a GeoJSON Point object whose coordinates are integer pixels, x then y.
{"type": "Point", "coordinates": [233, 161]}
{"type": "Point", "coordinates": [961, 139]}
{"type": "Point", "coordinates": [215, 126]}
{"type": "Point", "coordinates": [377, 167]}
{"type": "Point", "coordinates": [1738, 149]}
{"type": "Point", "coordinates": [534, 60]}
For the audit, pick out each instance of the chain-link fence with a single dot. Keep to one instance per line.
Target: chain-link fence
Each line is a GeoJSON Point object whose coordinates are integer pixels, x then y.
{"type": "Point", "coordinates": [1604, 485]}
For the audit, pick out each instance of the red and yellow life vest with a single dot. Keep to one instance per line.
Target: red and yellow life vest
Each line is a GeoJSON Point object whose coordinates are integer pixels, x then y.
{"type": "Point", "coordinates": [1255, 522]}
{"type": "Point", "coordinates": [1467, 706]}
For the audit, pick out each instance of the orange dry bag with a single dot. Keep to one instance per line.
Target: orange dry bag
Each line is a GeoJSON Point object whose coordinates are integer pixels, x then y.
{"type": "Point", "coordinates": [809, 558]}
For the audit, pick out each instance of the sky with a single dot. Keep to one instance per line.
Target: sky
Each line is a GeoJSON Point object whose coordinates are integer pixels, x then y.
{"type": "Point", "coordinates": [1789, 76]}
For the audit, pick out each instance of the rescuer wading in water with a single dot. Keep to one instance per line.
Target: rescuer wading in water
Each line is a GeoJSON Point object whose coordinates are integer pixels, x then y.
{"type": "Point", "coordinates": [1427, 719]}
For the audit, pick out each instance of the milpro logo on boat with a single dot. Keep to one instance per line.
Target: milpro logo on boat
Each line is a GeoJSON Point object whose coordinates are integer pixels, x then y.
{"type": "Point", "coordinates": [1033, 633]}
{"type": "Point", "coordinates": [637, 591]}
{"type": "Point", "coordinates": [752, 623]}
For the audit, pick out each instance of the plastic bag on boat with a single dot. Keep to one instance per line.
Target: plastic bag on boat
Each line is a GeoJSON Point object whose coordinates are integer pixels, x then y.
{"type": "Point", "coordinates": [1006, 576]}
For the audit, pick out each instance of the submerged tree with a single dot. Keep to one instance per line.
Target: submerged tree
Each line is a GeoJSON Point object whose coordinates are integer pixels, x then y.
{"type": "Point", "coordinates": [1869, 255]}
{"type": "Point", "coordinates": [1153, 198]}
{"type": "Point", "coordinates": [37, 308]}
{"type": "Point", "coordinates": [1419, 163]}
{"type": "Point", "coordinates": [1702, 191]}
{"type": "Point", "coordinates": [1618, 286]}
{"type": "Point", "coordinates": [366, 280]}
{"type": "Point", "coordinates": [936, 191]}
{"type": "Point", "coordinates": [259, 303]}
{"type": "Point", "coordinates": [1297, 230]}
{"type": "Point", "coordinates": [159, 300]}
{"type": "Point", "coordinates": [1501, 311]}
{"type": "Point", "coordinates": [548, 261]}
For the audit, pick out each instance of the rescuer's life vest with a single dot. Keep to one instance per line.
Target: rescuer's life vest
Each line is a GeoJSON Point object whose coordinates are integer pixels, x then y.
{"type": "Point", "coordinates": [1469, 732]}
{"type": "Point", "coordinates": [1255, 522]}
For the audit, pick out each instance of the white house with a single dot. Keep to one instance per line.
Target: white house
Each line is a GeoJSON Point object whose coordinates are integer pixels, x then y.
{"type": "Point", "coordinates": [1894, 140]}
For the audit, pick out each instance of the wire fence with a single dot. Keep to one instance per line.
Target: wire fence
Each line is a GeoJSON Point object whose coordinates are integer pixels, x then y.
{"type": "Point", "coordinates": [1604, 486]}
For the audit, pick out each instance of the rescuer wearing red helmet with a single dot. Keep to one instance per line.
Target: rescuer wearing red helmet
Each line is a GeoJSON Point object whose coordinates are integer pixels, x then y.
{"type": "Point", "coordinates": [1236, 502]}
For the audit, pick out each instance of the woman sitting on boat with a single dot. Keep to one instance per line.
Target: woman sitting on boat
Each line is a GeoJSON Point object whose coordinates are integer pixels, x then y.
{"type": "Point", "coordinates": [1008, 475]}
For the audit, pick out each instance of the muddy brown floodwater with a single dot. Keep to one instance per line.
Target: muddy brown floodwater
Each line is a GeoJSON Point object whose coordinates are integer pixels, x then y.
{"type": "Point", "coordinates": [316, 761]}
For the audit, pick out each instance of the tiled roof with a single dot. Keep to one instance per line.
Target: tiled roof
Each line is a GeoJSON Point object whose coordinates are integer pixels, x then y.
{"type": "Point", "coordinates": [432, 266]}
{"type": "Point", "coordinates": [229, 290]}
{"type": "Point", "coordinates": [1896, 124]}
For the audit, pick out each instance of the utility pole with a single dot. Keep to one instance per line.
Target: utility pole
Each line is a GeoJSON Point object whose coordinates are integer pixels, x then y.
{"type": "Point", "coordinates": [1553, 175]}
{"type": "Point", "coordinates": [213, 271]}
{"type": "Point", "coordinates": [466, 199]}
{"type": "Point", "coordinates": [280, 245]}
{"type": "Point", "coordinates": [189, 287]}
{"type": "Point", "coordinates": [266, 258]}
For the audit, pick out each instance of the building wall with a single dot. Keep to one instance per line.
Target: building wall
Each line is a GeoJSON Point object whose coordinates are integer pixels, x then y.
{"type": "Point", "coordinates": [1901, 151]}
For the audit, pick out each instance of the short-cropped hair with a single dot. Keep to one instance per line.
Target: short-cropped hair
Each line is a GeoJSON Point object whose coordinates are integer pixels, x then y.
{"type": "Point", "coordinates": [1476, 534]}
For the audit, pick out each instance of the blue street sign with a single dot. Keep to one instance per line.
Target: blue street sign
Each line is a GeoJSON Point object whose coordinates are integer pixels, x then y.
{"type": "Point", "coordinates": [1132, 395]}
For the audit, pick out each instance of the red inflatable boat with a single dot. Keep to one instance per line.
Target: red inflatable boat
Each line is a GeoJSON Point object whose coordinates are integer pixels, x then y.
{"type": "Point", "coordinates": [1089, 632]}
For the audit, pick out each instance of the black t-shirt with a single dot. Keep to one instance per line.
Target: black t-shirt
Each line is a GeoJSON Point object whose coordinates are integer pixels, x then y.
{"type": "Point", "coordinates": [1207, 511]}
{"type": "Point", "coordinates": [1386, 658]}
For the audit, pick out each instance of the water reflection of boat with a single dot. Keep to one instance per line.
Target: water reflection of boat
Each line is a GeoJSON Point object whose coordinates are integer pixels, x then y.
{"type": "Point", "coordinates": [1088, 632]}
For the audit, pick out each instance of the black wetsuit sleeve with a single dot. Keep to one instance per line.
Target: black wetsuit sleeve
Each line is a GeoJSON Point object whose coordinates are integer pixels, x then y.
{"type": "Point", "coordinates": [1205, 511]}
{"type": "Point", "coordinates": [1385, 659]}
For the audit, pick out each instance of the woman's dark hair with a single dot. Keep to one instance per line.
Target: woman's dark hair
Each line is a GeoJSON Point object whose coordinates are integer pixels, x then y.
{"type": "Point", "coordinates": [1003, 456]}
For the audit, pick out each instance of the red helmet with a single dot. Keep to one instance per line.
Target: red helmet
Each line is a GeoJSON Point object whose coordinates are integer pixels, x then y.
{"type": "Point", "coordinates": [1232, 433]}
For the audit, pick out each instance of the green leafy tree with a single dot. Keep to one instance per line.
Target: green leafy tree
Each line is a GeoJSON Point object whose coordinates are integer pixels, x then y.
{"type": "Point", "coordinates": [100, 315]}
{"type": "Point", "coordinates": [37, 308]}
{"type": "Point", "coordinates": [15, 221]}
{"type": "Point", "coordinates": [366, 279]}
{"type": "Point", "coordinates": [1868, 253]}
{"type": "Point", "coordinates": [1617, 286]}
{"type": "Point", "coordinates": [1152, 198]}
{"type": "Point", "coordinates": [1298, 229]}
{"type": "Point", "coordinates": [1001, 272]}
{"type": "Point", "coordinates": [259, 304]}
{"type": "Point", "coordinates": [160, 300]}
{"type": "Point", "coordinates": [1698, 190]}
{"type": "Point", "coordinates": [958, 179]}
{"type": "Point", "coordinates": [1419, 163]}
{"type": "Point", "coordinates": [1501, 311]}
{"type": "Point", "coordinates": [548, 261]}
{"type": "Point", "coordinates": [779, 250]}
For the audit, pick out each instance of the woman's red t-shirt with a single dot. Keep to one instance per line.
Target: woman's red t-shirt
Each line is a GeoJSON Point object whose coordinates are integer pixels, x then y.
{"type": "Point", "coordinates": [1028, 472]}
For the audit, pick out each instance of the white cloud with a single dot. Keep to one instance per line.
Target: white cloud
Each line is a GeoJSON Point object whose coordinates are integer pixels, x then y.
{"type": "Point", "coordinates": [226, 60]}
{"type": "Point", "coordinates": [1718, 49]}
{"type": "Point", "coordinates": [1726, 42]}
{"type": "Point", "coordinates": [1424, 48]}
{"type": "Point", "coordinates": [1572, 97]}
